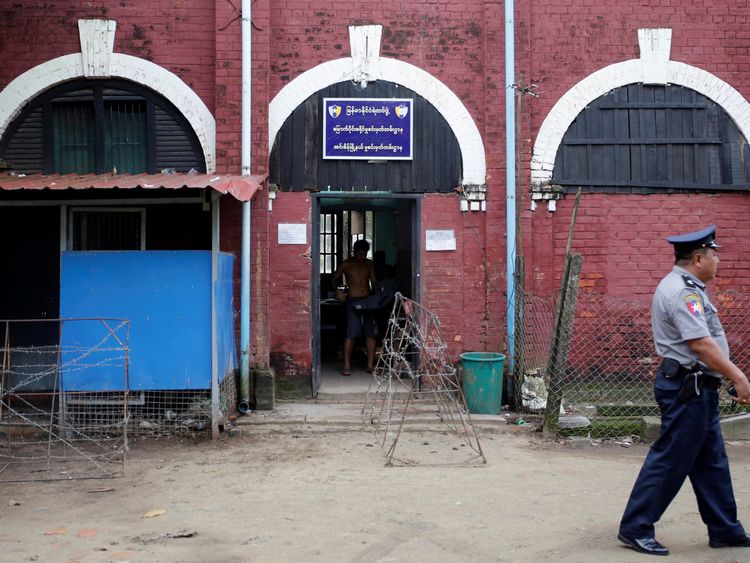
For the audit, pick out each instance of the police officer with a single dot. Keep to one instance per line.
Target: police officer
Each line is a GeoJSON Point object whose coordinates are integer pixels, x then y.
{"type": "Point", "coordinates": [691, 342]}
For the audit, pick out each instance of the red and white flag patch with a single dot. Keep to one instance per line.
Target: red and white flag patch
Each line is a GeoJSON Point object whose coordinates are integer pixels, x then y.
{"type": "Point", "coordinates": [694, 304]}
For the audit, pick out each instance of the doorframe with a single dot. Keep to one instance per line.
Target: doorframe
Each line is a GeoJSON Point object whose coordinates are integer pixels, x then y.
{"type": "Point", "coordinates": [416, 260]}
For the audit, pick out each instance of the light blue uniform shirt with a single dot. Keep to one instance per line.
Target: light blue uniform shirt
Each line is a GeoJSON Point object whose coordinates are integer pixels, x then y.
{"type": "Point", "coordinates": [680, 311]}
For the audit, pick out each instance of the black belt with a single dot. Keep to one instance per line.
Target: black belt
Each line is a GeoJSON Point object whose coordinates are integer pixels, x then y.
{"type": "Point", "coordinates": [673, 369]}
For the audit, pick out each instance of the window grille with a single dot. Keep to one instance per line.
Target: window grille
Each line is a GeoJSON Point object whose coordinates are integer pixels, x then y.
{"type": "Point", "coordinates": [125, 136]}
{"type": "Point", "coordinates": [101, 127]}
{"type": "Point", "coordinates": [74, 131]}
{"type": "Point", "coordinates": [107, 229]}
{"type": "Point", "coordinates": [74, 134]}
{"type": "Point", "coordinates": [328, 242]}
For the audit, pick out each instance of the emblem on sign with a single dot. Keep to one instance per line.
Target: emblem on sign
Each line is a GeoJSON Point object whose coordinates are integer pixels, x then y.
{"type": "Point", "coordinates": [401, 111]}
{"type": "Point", "coordinates": [334, 111]}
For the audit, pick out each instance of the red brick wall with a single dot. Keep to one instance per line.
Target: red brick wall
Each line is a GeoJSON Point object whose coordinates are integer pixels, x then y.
{"type": "Point", "coordinates": [177, 36]}
{"type": "Point", "coordinates": [461, 44]}
{"type": "Point", "coordinates": [231, 241]}
{"type": "Point", "coordinates": [455, 283]}
{"type": "Point", "coordinates": [492, 130]}
{"type": "Point", "coordinates": [621, 237]}
{"type": "Point", "coordinates": [228, 115]}
{"type": "Point", "coordinates": [559, 43]}
{"type": "Point", "coordinates": [444, 39]}
{"type": "Point", "coordinates": [228, 76]}
{"type": "Point", "coordinates": [289, 293]}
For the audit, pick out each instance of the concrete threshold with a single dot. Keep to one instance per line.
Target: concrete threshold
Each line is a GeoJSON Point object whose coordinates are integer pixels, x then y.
{"type": "Point", "coordinates": [318, 416]}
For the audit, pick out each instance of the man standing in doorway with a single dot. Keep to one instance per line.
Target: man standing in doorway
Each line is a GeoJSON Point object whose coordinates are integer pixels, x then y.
{"type": "Point", "coordinates": [691, 342]}
{"type": "Point", "coordinates": [360, 279]}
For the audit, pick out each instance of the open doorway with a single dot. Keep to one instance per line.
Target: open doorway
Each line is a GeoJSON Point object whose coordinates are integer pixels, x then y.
{"type": "Point", "coordinates": [29, 289]}
{"type": "Point", "coordinates": [390, 224]}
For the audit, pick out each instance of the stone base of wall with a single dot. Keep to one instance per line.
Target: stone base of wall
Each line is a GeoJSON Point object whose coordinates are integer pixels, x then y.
{"type": "Point", "coordinates": [263, 383]}
{"type": "Point", "coordinates": [292, 377]}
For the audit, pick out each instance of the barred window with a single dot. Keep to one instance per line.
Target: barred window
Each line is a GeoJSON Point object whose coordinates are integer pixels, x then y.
{"type": "Point", "coordinates": [95, 228]}
{"type": "Point", "coordinates": [110, 126]}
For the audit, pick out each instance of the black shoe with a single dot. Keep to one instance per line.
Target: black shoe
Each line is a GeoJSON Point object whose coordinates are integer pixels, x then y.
{"type": "Point", "coordinates": [644, 545]}
{"type": "Point", "coordinates": [739, 541]}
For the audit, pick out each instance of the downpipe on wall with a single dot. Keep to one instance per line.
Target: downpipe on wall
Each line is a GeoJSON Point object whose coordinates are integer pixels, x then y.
{"type": "Point", "coordinates": [247, 69]}
{"type": "Point", "coordinates": [510, 176]}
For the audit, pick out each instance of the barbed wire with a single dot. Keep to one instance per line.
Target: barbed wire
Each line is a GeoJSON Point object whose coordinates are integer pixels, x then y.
{"type": "Point", "coordinates": [414, 378]}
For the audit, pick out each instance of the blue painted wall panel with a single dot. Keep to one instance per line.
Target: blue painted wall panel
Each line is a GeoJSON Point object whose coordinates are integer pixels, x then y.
{"type": "Point", "coordinates": [166, 296]}
{"type": "Point", "coordinates": [227, 348]}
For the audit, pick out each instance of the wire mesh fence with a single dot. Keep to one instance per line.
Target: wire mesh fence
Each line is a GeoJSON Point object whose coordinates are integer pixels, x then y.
{"type": "Point", "coordinates": [228, 396]}
{"type": "Point", "coordinates": [63, 399]}
{"type": "Point", "coordinates": [166, 413]}
{"type": "Point", "coordinates": [67, 406]}
{"type": "Point", "coordinates": [607, 375]}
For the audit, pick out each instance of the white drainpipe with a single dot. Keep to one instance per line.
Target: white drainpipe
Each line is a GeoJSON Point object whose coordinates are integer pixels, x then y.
{"type": "Point", "coordinates": [510, 174]}
{"type": "Point", "coordinates": [247, 69]}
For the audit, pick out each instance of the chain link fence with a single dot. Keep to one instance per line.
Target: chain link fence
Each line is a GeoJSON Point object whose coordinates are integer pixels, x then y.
{"type": "Point", "coordinates": [606, 376]}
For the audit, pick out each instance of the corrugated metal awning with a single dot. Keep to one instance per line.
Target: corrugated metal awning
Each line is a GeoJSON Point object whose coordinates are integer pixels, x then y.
{"type": "Point", "coordinates": [242, 188]}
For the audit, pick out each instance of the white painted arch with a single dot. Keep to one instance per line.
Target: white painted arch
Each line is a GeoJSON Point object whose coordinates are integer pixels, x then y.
{"type": "Point", "coordinates": [423, 83]}
{"type": "Point", "coordinates": [620, 74]}
{"type": "Point", "coordinates": [33, 82]}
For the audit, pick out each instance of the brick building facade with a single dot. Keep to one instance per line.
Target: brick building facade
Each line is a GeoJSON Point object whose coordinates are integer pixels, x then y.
{"type": "Point", "coordinates": [568, 55]}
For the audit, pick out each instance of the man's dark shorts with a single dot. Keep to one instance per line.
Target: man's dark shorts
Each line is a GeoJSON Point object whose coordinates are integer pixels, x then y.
{"type": "Point", "coordinates": [359, 321]}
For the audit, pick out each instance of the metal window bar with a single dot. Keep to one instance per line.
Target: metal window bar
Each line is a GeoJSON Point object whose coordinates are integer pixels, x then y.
{"type": "Point", "coordinates": [74, 137]}
{"type": "Point", "coordinates": [102, 228]}
{"type": "Point", "coordinates": [328, 242]}
{"type": "Point", "coordinates": [125, 136]}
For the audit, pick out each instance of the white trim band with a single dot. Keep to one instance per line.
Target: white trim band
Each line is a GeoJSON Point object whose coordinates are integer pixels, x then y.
{"type": "Point", "coordinates": [430, 88]}
{"type": "Point", "coordinates": [651, 68]}
{"type": "Point", "coordinates": [34, 81]}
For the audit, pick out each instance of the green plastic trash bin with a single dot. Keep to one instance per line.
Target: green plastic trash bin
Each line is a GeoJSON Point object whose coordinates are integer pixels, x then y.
{"type": "Point", "coordinates": [483, 381]}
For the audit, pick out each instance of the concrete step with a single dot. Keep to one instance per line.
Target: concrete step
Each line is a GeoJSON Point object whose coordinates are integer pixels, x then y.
{"type": "Point", "coordinates": [338, 416]}
{"type": "Point", "coordinates": [732, 428]}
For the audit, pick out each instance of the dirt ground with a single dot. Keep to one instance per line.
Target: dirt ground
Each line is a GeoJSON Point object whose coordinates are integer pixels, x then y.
{"type": "Point", "coordinates": [302, 493]}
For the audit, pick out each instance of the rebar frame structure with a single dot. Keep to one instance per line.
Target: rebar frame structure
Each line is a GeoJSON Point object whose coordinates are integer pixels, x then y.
{"type": "Point", "coordinates": [49, 430]}
{"type": "Point", "coordinates": [413, 379]}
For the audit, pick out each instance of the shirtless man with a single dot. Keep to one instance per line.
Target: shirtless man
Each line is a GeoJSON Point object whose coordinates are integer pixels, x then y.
{"type": "Point", "coordinates": [360, 278]}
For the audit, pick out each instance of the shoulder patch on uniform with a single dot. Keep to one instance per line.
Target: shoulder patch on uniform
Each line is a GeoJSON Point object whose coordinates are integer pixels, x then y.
{"type": "Point", "coordinates": [688, 281]}
{"type": "Point", "coordinates": [694, 304]}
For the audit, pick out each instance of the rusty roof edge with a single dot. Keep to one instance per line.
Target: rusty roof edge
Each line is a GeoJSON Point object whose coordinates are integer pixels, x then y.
{"type": "Point", "coordinates": [243, 188]}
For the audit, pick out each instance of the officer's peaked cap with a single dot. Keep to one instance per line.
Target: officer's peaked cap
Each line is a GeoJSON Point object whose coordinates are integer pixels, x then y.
{"type": "Point", "coordinates": [705, 238]}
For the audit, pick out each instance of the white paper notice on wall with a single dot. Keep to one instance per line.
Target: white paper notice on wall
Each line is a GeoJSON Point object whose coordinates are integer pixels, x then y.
{"type": "Point", "coordinates": [441, 240]}
{"type": "Point", "coordinates": [292, 233]}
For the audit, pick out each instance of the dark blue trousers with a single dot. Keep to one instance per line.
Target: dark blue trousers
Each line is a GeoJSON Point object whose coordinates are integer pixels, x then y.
{"type": "Point", "coordinates": [691, 446]}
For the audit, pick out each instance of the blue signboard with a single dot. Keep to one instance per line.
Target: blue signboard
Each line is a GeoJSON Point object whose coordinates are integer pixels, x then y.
{"type": "Point", "coordinates": [368, 128]}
